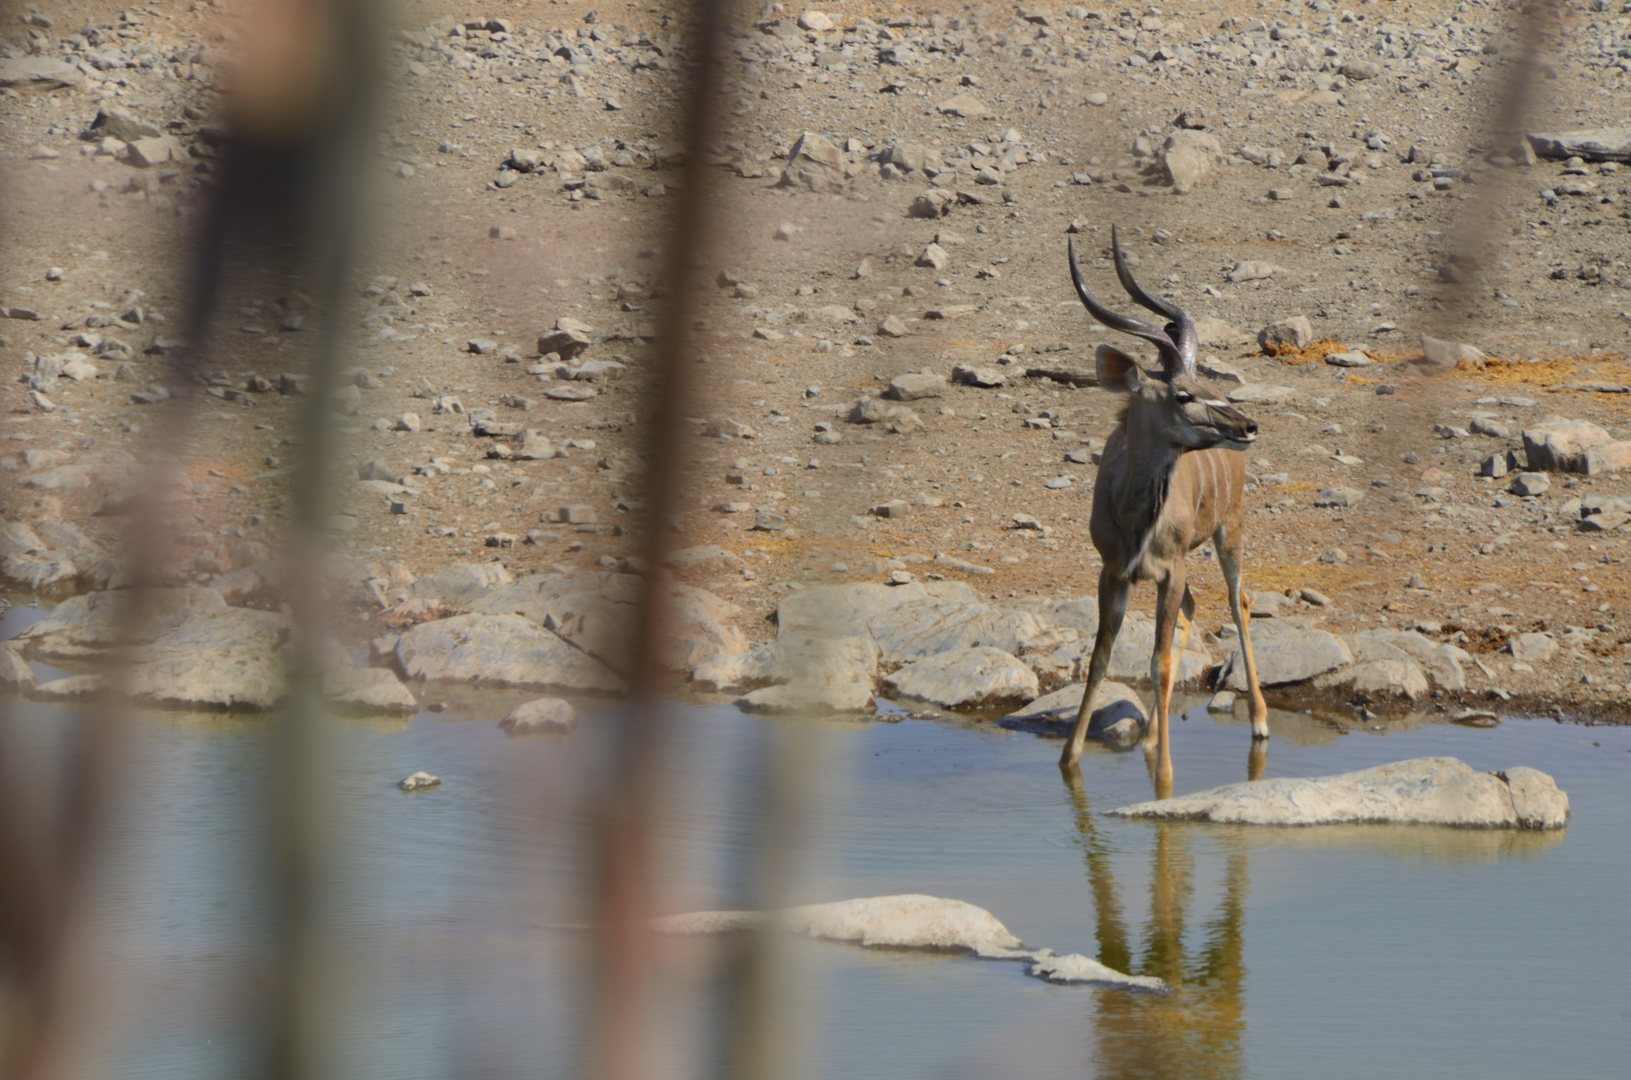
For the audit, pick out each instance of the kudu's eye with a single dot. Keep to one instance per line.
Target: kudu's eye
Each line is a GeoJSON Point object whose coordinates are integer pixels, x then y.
{"type": "Point", "coordinates": [1183, 397]}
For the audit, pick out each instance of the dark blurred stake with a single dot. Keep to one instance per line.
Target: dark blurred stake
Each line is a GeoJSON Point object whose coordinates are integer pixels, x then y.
{"type": "Point", "coordinates": [623, 1044]}
{"type": "Point", "coordinates": [1478, 222]}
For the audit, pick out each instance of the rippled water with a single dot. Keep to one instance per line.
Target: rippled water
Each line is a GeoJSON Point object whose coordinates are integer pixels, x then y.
{"type": "Point", "coordinates": [1331, 952]}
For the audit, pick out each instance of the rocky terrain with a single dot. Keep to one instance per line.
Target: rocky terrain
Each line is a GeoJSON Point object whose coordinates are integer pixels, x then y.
{"type": "Point", "coordinates": [897, 415]}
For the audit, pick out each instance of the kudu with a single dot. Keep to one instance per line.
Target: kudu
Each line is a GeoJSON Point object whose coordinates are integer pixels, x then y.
{"type": "Point", "coordinates": [1172, 476]}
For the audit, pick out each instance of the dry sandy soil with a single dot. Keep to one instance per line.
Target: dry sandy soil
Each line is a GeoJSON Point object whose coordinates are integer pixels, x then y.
{"type": "Point", "coordinates": [1365, 257]}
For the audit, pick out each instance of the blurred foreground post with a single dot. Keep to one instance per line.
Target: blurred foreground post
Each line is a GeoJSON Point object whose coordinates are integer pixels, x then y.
{"type": "Point", "coordinates": [622, 1047]}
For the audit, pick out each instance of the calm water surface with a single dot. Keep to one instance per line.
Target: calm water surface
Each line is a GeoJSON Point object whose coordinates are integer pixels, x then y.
{"type": "Point", "coordinates": [1333, 952]}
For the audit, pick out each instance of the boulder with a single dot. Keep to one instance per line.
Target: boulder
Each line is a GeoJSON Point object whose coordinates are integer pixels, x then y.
{"type": "Point", "coordinates": [1285, 655]}
{"type": "Point", "coordinates": [1260, 394]}
{"type": "Point", "coordinates": [1532, 648]}
{"type": "Point", "coordinates": [15, 674]}
{"type": "Point", "coordinates": [966, 106]}
{"type": "Point", "coordinates": [1190, 157]}
{"type": "Point", "coordinates": [222, 659]}
{"type": "Point", "coordinates": [808, 698]}
{"type": "Point", "coordinates": [120, 125]}
{"type": "Point", "coordinates": [1287, 335]}
{"type": "Point", "coordinates": [461, 585]}
{"type": "Point", "coordinates": [39, 73]}
{"type": "Point", "coordinates": [1426, 791]}
{"type": "Point", "coordinates": [913, 385]}
{"type": "Point", "coordinates": [368, 690]}
{"type": "Point", "coordinates": [1440, 662]}
{"type": "Point", "coordinates": [1118, 715]}
{"type": "Point", "coordinates": [1218, 334]}
{"type": "Point", "coordinates": [1593, 144]}
{"type": "Point", "coordinates": [1448, 355]}
{"type": "Point", "coordinates": [802, 658]}
{"type": "Point", "coordinates": [815, 163]}
{"type": "Point", "coordinates": [1560, 444]}
{"type": "Point", "coordinates": [500, 650]}
{"type": "Point", "coordinates": [1397, 677]}
{"type": "Point", "coordinates": [541, 716]}
{"type": "Point", "coordinates": [966, 678]}
{"type": "Point", "coordinates": [1135, 645]}
{"type": "Point", "coordinates": [910, 622]}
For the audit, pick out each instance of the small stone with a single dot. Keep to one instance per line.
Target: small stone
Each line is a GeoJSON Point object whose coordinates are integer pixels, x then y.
{"type": "Point", "coordinates": [1530, 483]}
{"type": "Point", "coordinates": [1222, 701]}
{"type": "Point", "coordinates": [419, 781]}
{"type": "Point", "coordinates": [894, 508]}
{"type": "Point", "coordinates": [934, 257]}
{"type": "Point", "coordinates": [892, 326]}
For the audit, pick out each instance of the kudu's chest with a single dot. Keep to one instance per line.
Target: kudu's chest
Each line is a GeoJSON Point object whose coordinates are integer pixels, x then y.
{"type": "Point", "coordinates": [1144, 520]}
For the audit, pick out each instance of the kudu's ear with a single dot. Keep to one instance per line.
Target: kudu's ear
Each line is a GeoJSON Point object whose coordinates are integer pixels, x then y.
{"type": "Point", "coordinates": [1118, 372]}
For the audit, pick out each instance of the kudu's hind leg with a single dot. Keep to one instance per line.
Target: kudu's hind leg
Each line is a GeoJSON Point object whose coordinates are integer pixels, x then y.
{"type": "Point", "coordinates": [1112, 609]}
{"type": "Point", "coordinates": [1239, 609]}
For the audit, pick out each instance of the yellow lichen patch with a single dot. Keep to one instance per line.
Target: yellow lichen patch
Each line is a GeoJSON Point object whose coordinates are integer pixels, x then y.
{"type": "Point", "coordinates": [1314, 350]}
{"type": "Point", "coordinates": [1359, 380]}
{"type": "Point", "coordinates": [1527, 372]}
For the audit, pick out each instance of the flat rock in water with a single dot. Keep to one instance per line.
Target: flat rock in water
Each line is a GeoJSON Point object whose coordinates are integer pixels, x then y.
{"type": "Point", "coordinates": [808, 698]}
{"type": "Point", "coordinates": [501, 650]}
{"type": "Point", "coordinates": [966, 677]}
{"type": "Point", "coordinates": [1425, 791]}
{"type": "Point", "coordinates": [914, 921]}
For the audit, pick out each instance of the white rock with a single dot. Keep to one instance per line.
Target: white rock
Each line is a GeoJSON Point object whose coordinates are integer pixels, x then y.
{"type": "Point", "coordinates": [1285, 655]}
{"type": "Point", "coordinates": [818, 21]}
{"type": "Point", "coordinates": [966, 677]}
{"type": "Point", "coordinates": [419, 781]}
{"type": "Point", "coordinates": [500, 650]}
{"type": "Point", "coordinates": [913, 921]}
{"type": "Point", "coordinates": [808, 698]}
{"type": "Point", "coordinates": [1190, 157]}
{"type": "Point", "coordinates": [1428, 791]}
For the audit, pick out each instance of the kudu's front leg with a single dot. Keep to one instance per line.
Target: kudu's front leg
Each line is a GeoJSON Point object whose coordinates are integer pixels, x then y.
{"type": "Point", "coordinates": [1112, 609]}
{"type": "Point", "coordinates": [1173, 609]}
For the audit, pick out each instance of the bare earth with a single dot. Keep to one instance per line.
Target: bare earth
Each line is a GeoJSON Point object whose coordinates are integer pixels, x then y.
{"type": "Point", "coordinates": [794, 329]}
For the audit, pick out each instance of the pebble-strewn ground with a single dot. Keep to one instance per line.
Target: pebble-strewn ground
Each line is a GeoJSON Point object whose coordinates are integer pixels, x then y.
{"type": "Point", "coordinates": [1336, 164]}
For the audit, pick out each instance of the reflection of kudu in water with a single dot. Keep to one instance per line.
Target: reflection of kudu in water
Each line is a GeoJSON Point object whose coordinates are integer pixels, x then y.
{"type": "Point", "coordinates": [1196, 1030]}
{"type": "Point", "coordinates": [1172, 476]}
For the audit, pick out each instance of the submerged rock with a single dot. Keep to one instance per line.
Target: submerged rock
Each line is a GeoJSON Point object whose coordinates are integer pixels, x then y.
{"type": "Point", "coordinates": [808, 698]}
{"type": "Point", "coordinates": [914, 921]}
{"type": "Point", "coordinates": [542, 716]}
{"type": "Point", "coordinates": [1118, 715]}
{"type": "Point", "coordinates": [1426, 791]}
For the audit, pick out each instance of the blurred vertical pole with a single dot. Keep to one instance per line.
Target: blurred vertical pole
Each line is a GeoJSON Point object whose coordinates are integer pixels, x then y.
{"type": "Point", "coordinates": [1479, 221]}
{"type": "Point", "coordinates": [622, 1046]}
{"type": "Point", "coordinates": [301, 103]}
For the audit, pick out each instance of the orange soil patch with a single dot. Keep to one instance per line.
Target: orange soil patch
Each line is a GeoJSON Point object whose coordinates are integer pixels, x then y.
{"type": "Point", "coordinates": [1314, 350]}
